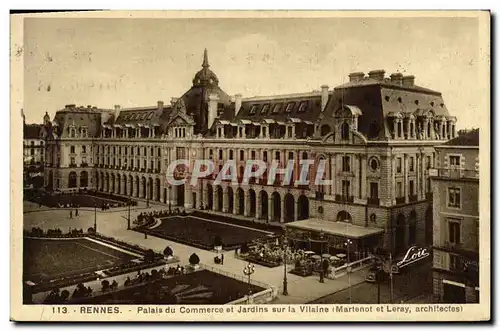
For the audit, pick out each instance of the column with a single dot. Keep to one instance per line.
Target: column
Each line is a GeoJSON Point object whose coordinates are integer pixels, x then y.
{"type": "Point", "coordinates": [282, 216]}
{"type": "Point", "coordinates": [270, 209]}
{"type": "Point", "coordinates": [258, 206]}
{"type": "Point", "coordinates": [225, 199]}
{"type": "Point", "coordinates": [405, 176]}
{"type": "Point", "coordinates": [236, 203]}
{"type": "Point", "coordinates": [364, 162]}
{"type": "Point", "coordinates": [246, 204]}
{"type": "Point", "coordinates": [296, 210]}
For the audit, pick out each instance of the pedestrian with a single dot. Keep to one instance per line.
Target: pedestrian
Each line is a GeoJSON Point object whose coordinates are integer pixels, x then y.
{"type": "Point", "coordinates": [76, 212]}
{"type": "Point", "coordinates": [70, 214]}
{"type": "Point", "coordinates": [222, 259]}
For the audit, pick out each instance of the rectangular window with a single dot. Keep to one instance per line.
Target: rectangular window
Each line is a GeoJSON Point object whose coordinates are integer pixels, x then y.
{"type": "Point", "coordinates": [412, 187]}
{"type": "Point", "coordinates": [159, 151]}
{"type": "Point", "coordinates": [159, 165]}
{"type": "Point", "coordinates": [84, 149]}
{"type": "Point", "coordinates": [230, 154]}
{"type": "Point", "coordinates": [264, 156]}
{"type": "Point", "coordinates": [253, 155]}
{"type": "Point", "coordinates": [428, 165]}
{"type": "Point", "coordinates": [346, 163]}
{"type": "Point", "coordinates": [455, 262]}
{"type": "Point", "coordinates": [399, 165]}
{"type": "Point", "coordinates": [242, 155]}
{"type": "Point", "coordinates": [152, 164]}
{"type": "Point", "coordinates": [84, 159]}
{"type": "Point", "coordinates": [32, 151]}
{"type": "Point", "coordinates": [429, 188]}
{"type": "Point", "coordinates": [144, 164]}
{"type": "Point", "coordinates": [399, 189]}
{"type": "Point", "coordinates": [220, 154]}
{"type": "Point", "coordinates": [277, 108]}
{"type": "Point", "coordinates": [72, 149]}
{"type": "Point", "coordinates": [253, 110]}
{"type": "Point", "coordinates": [290, 156]}
{"type": "Point", "coordinates": [454, 232]}
{"type": "Point", "coordinates": [277, 156]}
{"type": "Point", "coordinates": [72, 160]}
{"type": "Point", "coordinates": [346, 188]}
{"type": "Point", "coordinates": [264, 131]}
{"type": "Point", "coordinates": [289, 107]}
{"type": "Point", "coordinates": [302, 107]}
{"type": "Point", "coordinates": [412, 163]}
{"type": "Point", "coordinates": [264, 109]}
{"type": "Point", "coordinates": [453, 197]}
{"type": "Point", "coordinates": [455, 161]}
{"type": "Point", "coordinates": [373, 190]}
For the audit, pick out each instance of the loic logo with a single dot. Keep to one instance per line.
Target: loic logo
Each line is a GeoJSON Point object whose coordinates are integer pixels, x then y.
{"type": "Point", "coordinates": [413, 254]}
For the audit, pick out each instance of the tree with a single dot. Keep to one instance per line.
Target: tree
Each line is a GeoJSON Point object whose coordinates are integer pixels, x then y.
{"type": "Point", "coordinates": [149, 255]}
{"type": "Point", "coordinates": [244, 248]}
{"type": "Point", "coordinates": [194, 259]}
{"type": "Point", "coordinates": [105, 285]}
{"type": "Point", "coordinates": [91, 230]}
{"type": "Point", "coordinates": [168, 251]}
{"type": "Point", "coordinates": [64, 295]}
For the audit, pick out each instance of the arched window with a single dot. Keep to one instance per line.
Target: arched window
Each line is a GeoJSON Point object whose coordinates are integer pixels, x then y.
{"type": "Point", "coordinates": [344, 131]}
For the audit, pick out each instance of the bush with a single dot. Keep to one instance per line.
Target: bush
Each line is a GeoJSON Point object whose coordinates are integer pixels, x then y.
{"type": "Point", "coordinates": [105, 285]}
{"type": "Point", "coordinates": [168, 251]}
{"type": "Point", "coordinates": [244, 248]}
{"type": "Point", "coordinates": [64, 295]}
{"type": "Point", "coordinates": [149, 255]}
{"type": "Point", "coordinates": [91, 230]}
{"type": "Point", "coordinates": [194, 259]}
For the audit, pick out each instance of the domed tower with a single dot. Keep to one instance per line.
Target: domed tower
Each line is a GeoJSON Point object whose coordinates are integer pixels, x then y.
{"type": "Point", "coordinates": [205, 77]}
{"type": "Point", "coordinates": [205, 83]}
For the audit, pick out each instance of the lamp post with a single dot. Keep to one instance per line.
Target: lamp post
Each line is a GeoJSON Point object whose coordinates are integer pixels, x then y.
{"type": "Point", "coordinates": [248, 271]}
{"type": "Point", "coordinates": [128, 220]}
{"type": "Point", "coordinates": [95, 217]}
{"type": "Point", "coordinates": [285, 283]}
{"type": "Point", "coordinates": [147, 194]}
{"type": "Point", "coordinates": [169, 199]}
{"type": "Point", "coordinates": [321, 271]}
{"type": "Point", "coordinates": [348, 244]}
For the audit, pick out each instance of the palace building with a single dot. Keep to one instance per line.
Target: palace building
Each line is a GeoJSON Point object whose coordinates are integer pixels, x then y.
{"type": "Point", "coordinates": [376, 134]}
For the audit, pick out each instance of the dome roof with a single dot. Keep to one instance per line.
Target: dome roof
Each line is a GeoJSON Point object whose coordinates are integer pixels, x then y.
{"type": "Point", "coordinates": [205, 76]}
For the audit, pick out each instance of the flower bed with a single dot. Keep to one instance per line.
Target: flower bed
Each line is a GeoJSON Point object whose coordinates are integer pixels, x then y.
{"type": "Point", "coordinates": [263, 262]}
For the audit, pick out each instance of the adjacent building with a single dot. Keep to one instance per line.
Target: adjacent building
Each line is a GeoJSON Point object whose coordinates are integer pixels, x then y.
{"type": "Point", "coordinates": [455, 186]}
{"type": "Point", "coordinates": [375, 133]}
{"type": "Point", "coordinates": [33, 152]}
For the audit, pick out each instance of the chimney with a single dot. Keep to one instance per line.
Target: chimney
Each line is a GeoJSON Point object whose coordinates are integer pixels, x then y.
{"type": "Point", "coordinates": [356, 76]}
{"type": "Point", "coordinates": [173, 101]}
{"type": "Point", "coordinates": [408, 81]}
{"type": "Point", "coordinates": [324, 96]}
{"type": "Point", "coordinates": [377, 74]}
{"type": "Point", "coordinates": [237, 103]}
{"type": "Point", "coordinates": [117, 111]}
{"type": "Point", "coordinates": [397, 78]}
{"type": "Point", "coordinates": [160, 105]}
{"type": "Point", "coordinates": [212, 109]}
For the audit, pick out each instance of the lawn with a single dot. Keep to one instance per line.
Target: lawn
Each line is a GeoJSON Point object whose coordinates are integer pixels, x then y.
{"type": "Point", "coordinates": [201, 233]}
{"type": "Point", "coordinates": [48, 259]}
{"type": "Point", "coordinates": [201, 287]}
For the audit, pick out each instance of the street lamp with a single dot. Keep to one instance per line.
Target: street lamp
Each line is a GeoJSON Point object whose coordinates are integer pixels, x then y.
{"type": "Point", "coordinates": [285, 283]}
{"type": "Point", "coordinates": [248, 271]}
{"type": "Point", "coordinates": [128, 220]}
{"type": "Point", "coordinates": [348, 244]}
{"type": "Point", "coordinates": [321, 270]}
{"type": "Point", "coordinates": [95, 216]}
{"type": "Point", "coordinates": [169, 199]}
{"type": "Point", "coordinates": [147, 194]}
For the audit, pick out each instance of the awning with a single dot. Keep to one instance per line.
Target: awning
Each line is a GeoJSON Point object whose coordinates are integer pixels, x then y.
{"type": "Point", "coordinates": [280, 122]}
{"type": "Point", "coordinates": [268, 120]}
{"type": "Point", "coordinates": [117, 125]}
{"type": "Point", "coordinates": [224, 122]}
{"type": "Point", "coordinates": [246, 122]}
{"type": "Point", "coordinates": [295, 120]}
{"type": "Point", "coordinates": [309, 122]}
{"type": "Point", "coordinates": [106, 126]}
{"type": "Point", "coordinates": [233, 124]}
{"type": "Point", "coordinates": [335, 228]}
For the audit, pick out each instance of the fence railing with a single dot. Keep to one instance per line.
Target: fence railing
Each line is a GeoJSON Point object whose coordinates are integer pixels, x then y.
{"type": "Point", "coordinates": [241, 278]}
{"type": "Point", "coordinates": [356, 265]}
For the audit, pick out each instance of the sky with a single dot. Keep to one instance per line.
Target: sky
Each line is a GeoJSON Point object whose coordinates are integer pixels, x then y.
{"type": "Point", "coordinates": [136, 62]}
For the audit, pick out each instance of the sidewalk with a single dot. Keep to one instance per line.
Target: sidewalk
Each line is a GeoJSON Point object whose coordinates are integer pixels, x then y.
{"type": "Point", "coordinates": [114, 224]}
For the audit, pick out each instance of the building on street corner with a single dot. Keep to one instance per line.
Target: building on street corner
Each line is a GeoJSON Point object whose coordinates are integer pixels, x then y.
{"type": "Point", "coordinates": [455, 186]}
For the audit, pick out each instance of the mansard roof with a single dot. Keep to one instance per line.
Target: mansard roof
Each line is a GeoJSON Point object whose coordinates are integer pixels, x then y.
{"type": "Point", "coordinates": [32, 131]}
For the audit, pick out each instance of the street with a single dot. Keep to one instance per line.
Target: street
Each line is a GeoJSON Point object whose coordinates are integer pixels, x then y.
{"type": "Point", "coordinates": [409, 285]}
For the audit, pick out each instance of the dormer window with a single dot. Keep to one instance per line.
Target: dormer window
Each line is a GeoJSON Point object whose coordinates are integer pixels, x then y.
{"type": "Point", "coordinates": [303, 107]}
{"type": "Point", "coordinates": [277, 108]}
{"type": "Point", "coordinates": [264, 109]}
{"type": "Point", "coordinates": [253, 110]}
{"type": "Point", "coordinates": [150, 115]}
{"type": "Point", "coordinates": [289, 107]}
